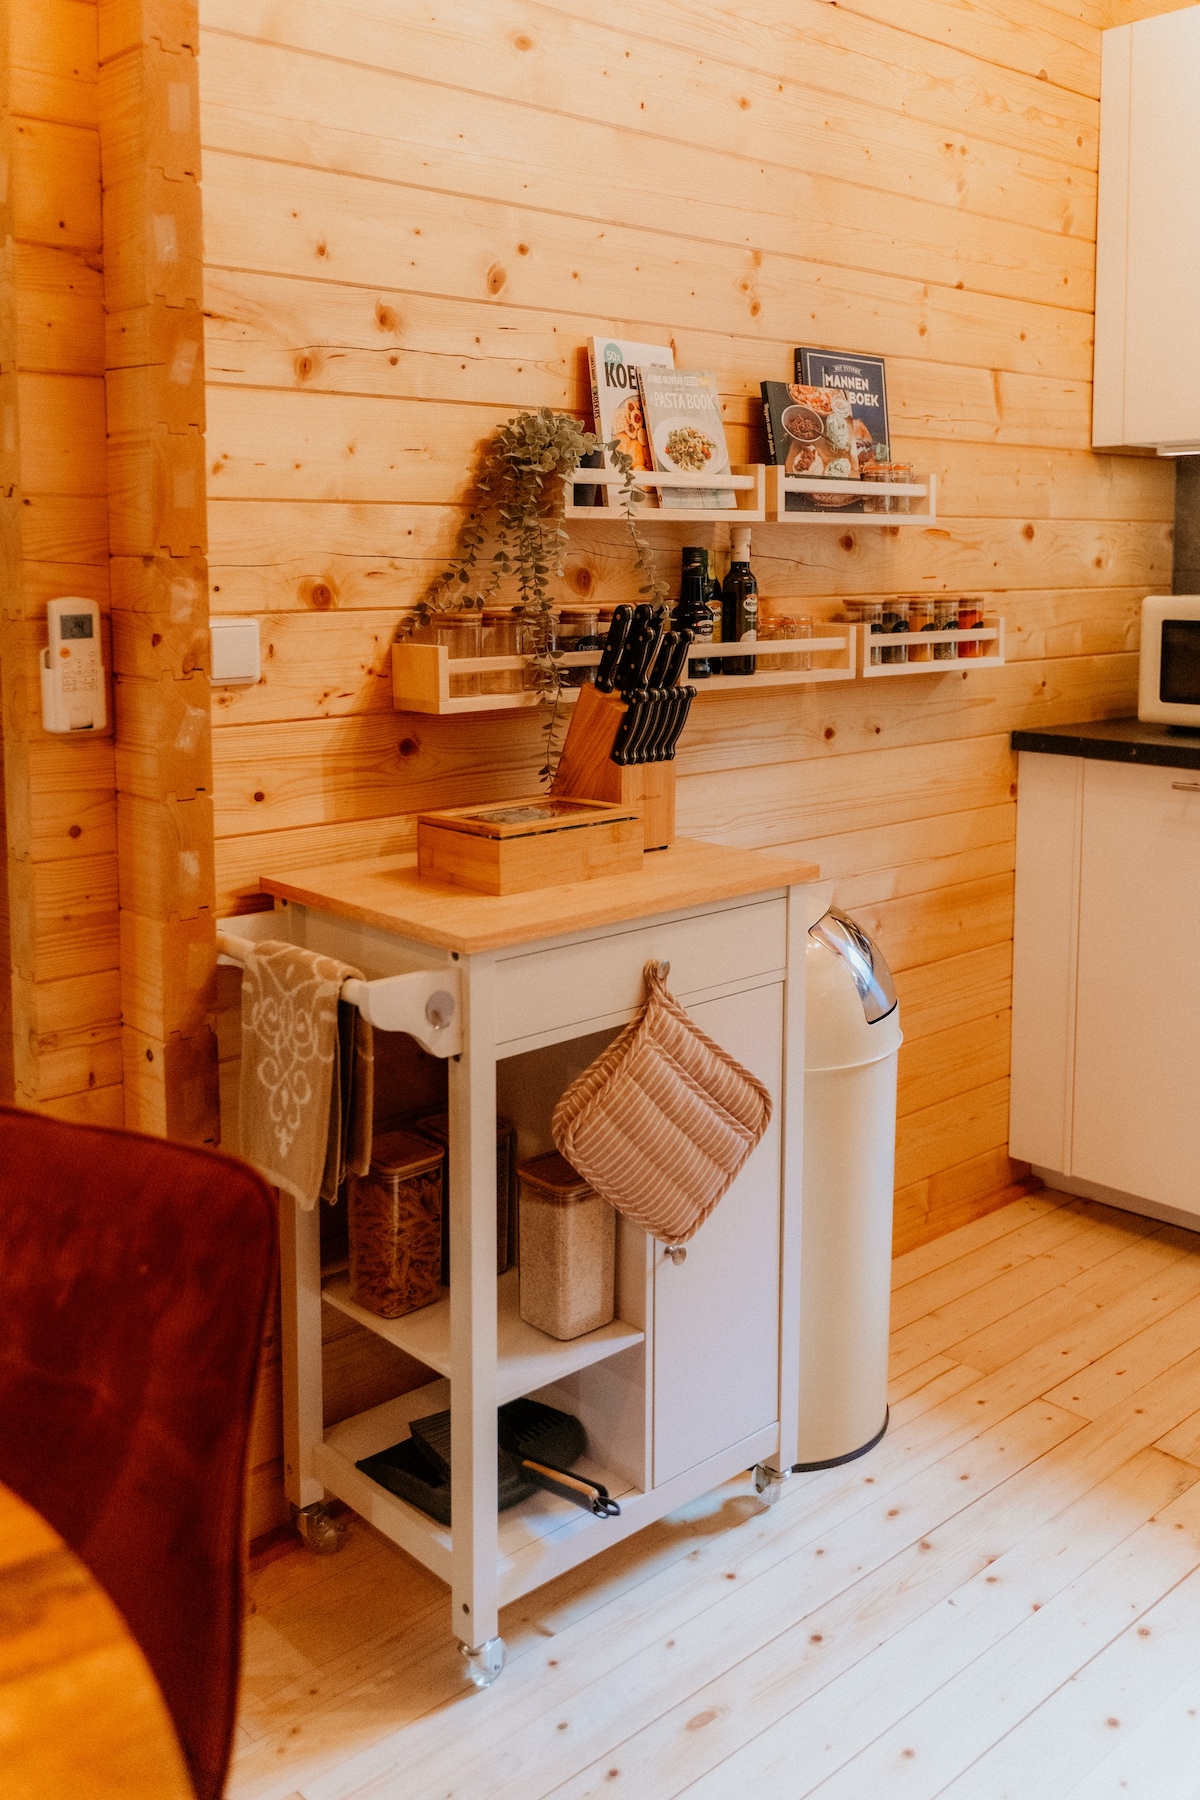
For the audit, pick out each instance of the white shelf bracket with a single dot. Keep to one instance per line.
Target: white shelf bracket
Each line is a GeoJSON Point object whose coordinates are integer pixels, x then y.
{"type": "Point", "coordinates": [426, 1003]}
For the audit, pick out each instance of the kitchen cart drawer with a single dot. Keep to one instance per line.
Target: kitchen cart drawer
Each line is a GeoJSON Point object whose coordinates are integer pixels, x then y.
{"type": "Point", "coordinates": [569, 988]}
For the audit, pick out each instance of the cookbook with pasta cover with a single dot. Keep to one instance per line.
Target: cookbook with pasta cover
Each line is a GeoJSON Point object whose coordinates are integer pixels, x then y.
{"type": "Point", "coordinates": [616, 396]}
{"type": "Point", "coordinates": [686, 434]}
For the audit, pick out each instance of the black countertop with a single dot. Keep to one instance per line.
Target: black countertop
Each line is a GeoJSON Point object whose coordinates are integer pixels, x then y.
{"type": "Point", "coordinates": [1115, 740]}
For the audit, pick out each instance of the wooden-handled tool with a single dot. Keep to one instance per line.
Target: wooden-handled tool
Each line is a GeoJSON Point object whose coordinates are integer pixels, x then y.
{"type": "Point", "coordinates": [591, 1496]}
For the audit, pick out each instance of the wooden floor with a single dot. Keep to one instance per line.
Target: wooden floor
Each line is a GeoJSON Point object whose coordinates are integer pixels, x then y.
{"type": "Point", "coordinates": [1001, 1602]}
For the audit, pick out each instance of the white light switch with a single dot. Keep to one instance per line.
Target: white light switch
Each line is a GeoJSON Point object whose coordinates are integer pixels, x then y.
{"type": "Point", "coordinates": [235, 655]}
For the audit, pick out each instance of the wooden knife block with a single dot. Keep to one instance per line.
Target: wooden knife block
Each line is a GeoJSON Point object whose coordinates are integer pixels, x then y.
{"type": "Point", "coordinates": [586, 770]}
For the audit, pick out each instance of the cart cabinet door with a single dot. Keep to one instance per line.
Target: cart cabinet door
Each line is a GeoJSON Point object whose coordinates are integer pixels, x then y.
{"type": "Point", "coordinates": [716, 1314]}
{"type": "Point", "coordinates": [1137, 1042]}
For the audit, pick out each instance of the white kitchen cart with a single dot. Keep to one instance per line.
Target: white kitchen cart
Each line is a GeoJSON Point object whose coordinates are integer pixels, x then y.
{"type": "Point", "coordinates": [689, 1384]}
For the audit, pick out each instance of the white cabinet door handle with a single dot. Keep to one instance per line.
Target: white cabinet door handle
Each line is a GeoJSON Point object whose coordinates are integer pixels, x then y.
{"type": "Point", "coordinates": [1186, 787]}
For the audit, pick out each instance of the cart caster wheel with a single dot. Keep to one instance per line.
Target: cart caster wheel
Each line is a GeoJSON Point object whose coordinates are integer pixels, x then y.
{"type": "Point", "coordinates": [768, 1483]}
{"type": "Point", "coordinates": [323, 1534]}
{"type": "Point", "coordinates": [485, 1663]}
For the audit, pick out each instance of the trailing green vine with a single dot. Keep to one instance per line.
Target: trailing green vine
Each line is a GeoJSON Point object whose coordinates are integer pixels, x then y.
{"type": "Point", "coordinates": [654, 589]}
{"type": "Point", "coordinates": [516, 504]}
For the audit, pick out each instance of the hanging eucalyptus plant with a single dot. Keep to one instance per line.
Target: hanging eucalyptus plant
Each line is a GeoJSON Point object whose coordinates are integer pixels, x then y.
{"type": "Point", "coordinates": [516, 506]}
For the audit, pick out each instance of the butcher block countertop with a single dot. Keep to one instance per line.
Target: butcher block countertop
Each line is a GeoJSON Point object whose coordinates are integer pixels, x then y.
{"type": "Point", "coordinates": [387, 892]}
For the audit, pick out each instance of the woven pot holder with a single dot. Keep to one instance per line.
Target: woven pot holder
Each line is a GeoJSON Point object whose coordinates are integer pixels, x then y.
{"type": "Point", "coordinates": [662, 1122]}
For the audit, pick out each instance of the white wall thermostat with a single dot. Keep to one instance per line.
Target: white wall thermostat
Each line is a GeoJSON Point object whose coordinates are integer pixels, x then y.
{"type": "Point", "coordinates": [73, 688]}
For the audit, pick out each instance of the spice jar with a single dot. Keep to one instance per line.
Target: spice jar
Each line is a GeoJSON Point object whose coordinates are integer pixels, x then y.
{"type": "Point", "coordinates": [921, 616]}
{"type": "Point", "coordinates": [895, 619]}
{"type": "Point", "coordinates": [878, 475]}
{"type": "Point", "coordinates": [568, 1250]}
{"type": "Point", "coordinates": [577, 630]}
{"type": "Point", "coordinates": [395, 1227]}
{"type": "Point", "coordinates": [946, 619]}
{"type": "Point", "coordinates": [970, 618]}
{"type": "Point", "coordinates": [788, 626]}
{"type": "Point", "coordinates": [500, 639]}
{"type": "Point", "coordinates": [462, 634]}
{"type": "Point", "coordinates": [772, 628]}
{"type": "Point", "coordinates": [435, 1127]}
{"type": "Point", "coordinates": [907, 473]}
{"type": "Point", "coordinates": [870, 614]}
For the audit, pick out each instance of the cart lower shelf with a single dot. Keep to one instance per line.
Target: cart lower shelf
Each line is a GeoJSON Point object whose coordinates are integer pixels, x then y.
{"type": "Point", "coordinates": [542, 1537]}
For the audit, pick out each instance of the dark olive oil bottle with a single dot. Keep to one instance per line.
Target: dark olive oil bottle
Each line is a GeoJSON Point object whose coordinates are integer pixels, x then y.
{"type": "Point", "coordinates": [693, 613]}
{"type": "Point", "coordinates": [739, 604]}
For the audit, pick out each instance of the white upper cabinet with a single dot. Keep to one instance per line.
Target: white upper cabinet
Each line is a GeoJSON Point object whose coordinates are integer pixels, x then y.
{"type": "Point", "coordinates": [1147, 366]}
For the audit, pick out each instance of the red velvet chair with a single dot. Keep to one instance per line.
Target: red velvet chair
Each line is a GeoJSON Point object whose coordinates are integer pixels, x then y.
{"type": "Point", "coordinates": [134, 1281]}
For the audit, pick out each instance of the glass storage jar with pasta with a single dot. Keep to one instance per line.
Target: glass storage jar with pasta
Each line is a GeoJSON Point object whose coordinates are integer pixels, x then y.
{"type": "Point", "coordinates": [395, 1227]}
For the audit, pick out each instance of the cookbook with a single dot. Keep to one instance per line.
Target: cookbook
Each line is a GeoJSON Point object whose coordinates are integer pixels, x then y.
{"type": "Point", "coordinates": [863, 381]}
{"type": "Point", "coordinates": [810, 431]}
{"type": "Point", "coordinates": [686, 434]}
{"type": "Point", "coordinates": [616, 396]}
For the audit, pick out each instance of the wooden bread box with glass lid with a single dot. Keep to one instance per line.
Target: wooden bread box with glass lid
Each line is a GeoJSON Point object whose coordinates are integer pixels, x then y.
{"type": "Point", "coordinates": [688, 1384]}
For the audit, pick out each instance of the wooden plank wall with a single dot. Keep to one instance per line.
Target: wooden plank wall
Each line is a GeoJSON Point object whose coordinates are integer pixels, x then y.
{"type": "Point", "coordinates": [154, 288]}
{"type": "Point", "coordinates": [61, 1013]}
{"type": "Point", "coordinates": [414, 220]}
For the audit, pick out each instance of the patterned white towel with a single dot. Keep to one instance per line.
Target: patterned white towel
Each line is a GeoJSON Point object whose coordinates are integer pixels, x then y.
{"type": "Point", "coordinates": [307, 1087]}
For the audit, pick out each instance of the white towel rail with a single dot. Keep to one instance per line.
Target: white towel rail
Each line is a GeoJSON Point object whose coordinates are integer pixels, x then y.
{"type": "Point", "coordinates": [425, 1003]}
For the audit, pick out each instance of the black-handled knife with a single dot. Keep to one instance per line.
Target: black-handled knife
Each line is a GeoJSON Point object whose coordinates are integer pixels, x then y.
{"type": "Point", "coordinates": [614, 643]}
{"type": "Point", "coordinates": [656, 746]}
{"type": "Point", "coordinates": [647, 743]}
{"type": "Point", "coordinates": [640, 697]}
{"type": "Point", "coordinates": [679, 720]}
{"type": "Point", "coordinates": [643, 660]}
{"type": "Point", "coordinates": [620, 750]}
{"type": "Point", "coordinates": [662, 661]}
{"type": "Point", "coordinates": [679, 653]}
{"type": "Point", "coordinates": [636, 651]}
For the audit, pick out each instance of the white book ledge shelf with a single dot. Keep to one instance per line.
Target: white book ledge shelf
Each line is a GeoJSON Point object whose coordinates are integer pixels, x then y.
{"type": "Point", "coordinates": [761, 492]}
{"type": "Point", "coordinates": [745, 479]}
{"type": "Point", "coordinates": [874, 494]}
{"type": "Point", "coordinates": [424, 675]}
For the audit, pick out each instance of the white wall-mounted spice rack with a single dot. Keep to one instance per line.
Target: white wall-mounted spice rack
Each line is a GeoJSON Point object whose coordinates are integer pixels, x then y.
{"type": "Point", "coordinates": [424, 678]}
{"type": "Point", "coordinates": [797, 650]}
{"type": "Point", "coordinates": [423, 675]}
{"type": "Point", "coordinates": [977, 647]}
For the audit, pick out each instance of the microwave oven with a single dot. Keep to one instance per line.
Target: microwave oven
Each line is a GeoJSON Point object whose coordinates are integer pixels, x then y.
{"type": "Point", "coordinates": [1169, 666]}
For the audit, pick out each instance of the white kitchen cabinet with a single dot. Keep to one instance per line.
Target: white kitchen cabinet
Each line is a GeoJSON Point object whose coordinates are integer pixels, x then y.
{"type": "Point", "coordinates": [1106, 981]}
{"type": "Point", "coordinates": [1147, 359]}
{"type": "Point", "coordinates": [1137, 1012]}
{"type": "Point", "coordinates": [697, 1376]}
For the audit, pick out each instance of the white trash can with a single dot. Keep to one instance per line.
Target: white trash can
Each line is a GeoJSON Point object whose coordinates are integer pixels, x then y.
{"type": "Point", "coordinates": [852, 1042]}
